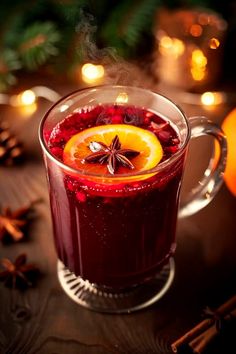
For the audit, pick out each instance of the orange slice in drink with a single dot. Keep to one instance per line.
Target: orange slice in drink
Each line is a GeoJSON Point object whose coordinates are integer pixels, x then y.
{"type": "Point", "coordinates": [78, 148]}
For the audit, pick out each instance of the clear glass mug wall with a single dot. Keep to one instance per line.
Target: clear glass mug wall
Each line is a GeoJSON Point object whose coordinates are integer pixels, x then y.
{"type": "Point", "coordinates": [114, 236]}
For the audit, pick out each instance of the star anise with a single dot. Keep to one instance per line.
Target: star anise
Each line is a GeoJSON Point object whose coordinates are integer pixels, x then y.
{"type": "Point", "coordinates": [17, 274]}
{"type": "Point", "coordinates": [113, 155]}
{"type": "Point", "coordinates": [13, 222]}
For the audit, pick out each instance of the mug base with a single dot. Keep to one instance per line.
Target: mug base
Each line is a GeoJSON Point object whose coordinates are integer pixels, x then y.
{"type": "Point", "coordinates": [97, 299]}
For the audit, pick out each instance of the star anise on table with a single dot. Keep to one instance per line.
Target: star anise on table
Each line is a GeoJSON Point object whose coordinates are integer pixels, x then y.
{"type": "Point", "coordinates": [112, 155]}
{"type": "Point", "coordinates": [17, 274]}
{"type": "Point", "coordinates": [13, 222]}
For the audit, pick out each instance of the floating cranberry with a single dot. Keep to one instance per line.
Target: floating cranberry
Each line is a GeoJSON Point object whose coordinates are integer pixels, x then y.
{"type": "Point", "coordinates": [117, 119]}
{"type": "Point", "coordinates": [72, 185]}
{"type": "Point", "coordinates": [57, 151]}
{"type": "Point", "coordinates": [149, 115]}
{"type": "Point", "coordinates": [81, 197]}
{"type": "Point", "coordinates": [164, 136]}
{"type": "Point", "coordinates": [172, 149]}
{"type": "Point", "coordinates": [175, 141]}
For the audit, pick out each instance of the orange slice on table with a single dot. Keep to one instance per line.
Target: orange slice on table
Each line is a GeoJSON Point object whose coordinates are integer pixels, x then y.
{"type": "Point", "coordinates": [130, 137]}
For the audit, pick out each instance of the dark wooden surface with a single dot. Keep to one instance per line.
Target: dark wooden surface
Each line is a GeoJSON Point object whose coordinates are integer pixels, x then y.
{"type": "Point", "coordinates": [51, 323]}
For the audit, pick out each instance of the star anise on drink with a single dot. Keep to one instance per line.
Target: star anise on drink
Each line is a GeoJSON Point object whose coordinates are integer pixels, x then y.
{"type": "Point", "coordinates": [113, 155]}
{"type": "Point", "coordinates": [17, 274]}
{"type": "Point", "coordinates": [12, 223]}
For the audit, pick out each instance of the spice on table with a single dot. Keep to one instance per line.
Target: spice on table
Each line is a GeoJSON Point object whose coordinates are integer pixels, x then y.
{"type": "Point", "coordinates": [204, 332]}
{"type": "Point", "coordinates": [12, 223]}
{"type": "Point", "coordinates": [17, 274]}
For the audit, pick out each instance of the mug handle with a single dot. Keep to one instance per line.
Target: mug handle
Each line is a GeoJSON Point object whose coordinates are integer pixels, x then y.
{"type": "Point", "coordinates": [210, 183]}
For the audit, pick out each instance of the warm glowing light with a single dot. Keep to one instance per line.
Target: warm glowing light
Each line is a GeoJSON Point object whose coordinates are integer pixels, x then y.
{"type": "Point", "coordinates": [207, 98]}
{"type": "Point", "coordinates": [171, 46]}
{"type": "Point", "coordinates": [198, 65]}
{"type": "Point", "coordinates": [27, 97]}
{"type": "Point", "coordinates": [195, 30]}
{"type": "Point", "coordinates": [212, 98]}
{"type": "Point", "coordinates": [28, 110]}
{"type": "Point", "coordinates": [214, 43]}
{"type": "Point", "coordinates": [198, 74]}
{"type": "Point", "coordinates": [199, 58]}
{"type": "Point", "coordinates": [165, 42]}
{"type": "Point", "coordinates": [92, 73]}
{"type": "Point", "coordinates": [122, 98]}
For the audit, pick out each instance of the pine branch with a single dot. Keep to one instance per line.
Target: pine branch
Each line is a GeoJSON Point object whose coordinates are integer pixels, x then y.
{"type": "Point", "coordinates": [71, 11]}
{"type": "Point", "coordinates": [38, 44]}
{"type": "Point", "coordinates": [9, 62]}
{"type": "Point", "coordinates": [138, 19]}
{"type": "Point", "coordinates": [128, 21]}
{"type": "Point", "coordinates": [110, 32]}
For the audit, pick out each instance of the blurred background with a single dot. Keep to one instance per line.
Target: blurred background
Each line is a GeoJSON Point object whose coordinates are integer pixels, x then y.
{"type": "Point", "coordinates": [57, 37]}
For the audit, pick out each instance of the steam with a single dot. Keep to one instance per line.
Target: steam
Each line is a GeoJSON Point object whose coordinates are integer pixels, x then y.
{"type": "Point", "coordinates": [117, 70]}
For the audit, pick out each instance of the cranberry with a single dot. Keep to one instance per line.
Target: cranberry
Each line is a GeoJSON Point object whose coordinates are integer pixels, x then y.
{"type": "Point", "coordinates": [175, 141]}
{"type": "Point", "coordinates": [117, 119]}
{"type": "Point", "coordinates": [172, 149]}
{"type": "Point", "coordinates": [149, 115]}
{"type": "Point", "coordinates": [72, 185]}
{"type": "Point", "coordinates": [81, 197]}
{"type": "Point", "coordinates": [57, 151]}
{"type": "Point", "coordinates": [164, 136]}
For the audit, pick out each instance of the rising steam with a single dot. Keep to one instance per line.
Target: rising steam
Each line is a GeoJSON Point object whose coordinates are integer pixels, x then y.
{"type": "Point", "coordinates": [117, 70]}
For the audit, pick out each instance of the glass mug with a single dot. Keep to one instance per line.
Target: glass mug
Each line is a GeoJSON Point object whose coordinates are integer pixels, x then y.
{"type": "Point", "coordinates": [115, 235]}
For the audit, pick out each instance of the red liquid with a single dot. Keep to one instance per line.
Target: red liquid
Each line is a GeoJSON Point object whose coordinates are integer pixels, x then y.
{"type": "Point", "coordinates": [114, 235]}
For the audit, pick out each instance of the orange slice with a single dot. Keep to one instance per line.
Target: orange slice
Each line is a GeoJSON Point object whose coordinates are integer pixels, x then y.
{"type": "Point", "coordinates": [131, 137]}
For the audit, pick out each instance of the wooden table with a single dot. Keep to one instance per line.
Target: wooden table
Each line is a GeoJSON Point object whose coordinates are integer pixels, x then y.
{"type": "Point", "coordinates": [52, 323]}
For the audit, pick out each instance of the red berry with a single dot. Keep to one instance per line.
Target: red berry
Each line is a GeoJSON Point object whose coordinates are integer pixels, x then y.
{"type": "Point", "coordinates": [57, 151]}
{"type": "Point", "coordinates": [164, 136]}
{"type": "Point", "coordinates": [172, 149]}
{"type": "Point", "coordinates": [117, 119]}
{"type": "Point", "coordinates": [81, 196]}
{"type": "Point", "coordinates": [71, 185]}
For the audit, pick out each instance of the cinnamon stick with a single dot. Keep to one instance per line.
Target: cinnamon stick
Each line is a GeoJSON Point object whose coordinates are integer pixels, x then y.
{"type": "Point", "coordinates": [194, 337]}
{"type": "Point", "coordinates": [199, 343]}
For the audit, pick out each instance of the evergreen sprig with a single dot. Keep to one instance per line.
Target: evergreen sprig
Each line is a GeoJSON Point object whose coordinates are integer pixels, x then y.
{"type": "Point", "coordinates": [128, 22]}
{"type": "Point", "coordinates": [38, 44]}
{"type": "Point", "coordinates": [32, 33]}
{"type": "Point", "coordinates": [9, 62]}
{"type": "Point", "coordinates": [138, 20]}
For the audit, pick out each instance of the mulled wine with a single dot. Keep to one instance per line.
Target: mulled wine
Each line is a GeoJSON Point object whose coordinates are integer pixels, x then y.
{"type": "Point", "coordinates": [114, 232]}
